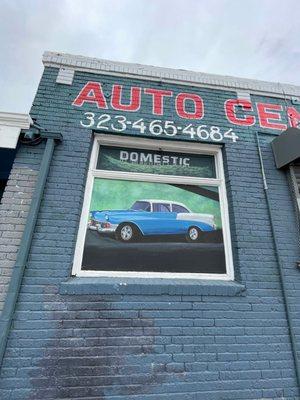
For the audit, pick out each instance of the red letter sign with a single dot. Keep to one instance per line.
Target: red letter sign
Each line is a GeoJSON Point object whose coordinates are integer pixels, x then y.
{"type": "Point", "coordinates": [198, 106]}
{"type": "Point", "coordinates": [266, 113]}
{"type": "Point", "coordinates": [134, 102]}
{"type": "Point", "coordinates": [91, 93]}
{"type": "Point", "coordinates": [230, 111]}
{"type": "Point", "coordinates": [158, 99]}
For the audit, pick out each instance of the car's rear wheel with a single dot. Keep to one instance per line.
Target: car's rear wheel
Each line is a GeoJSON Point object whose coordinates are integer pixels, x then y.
{"type": "Point", "coordinates": [194, 234]}
{"type": "Point", "coordinates": [127, 232]}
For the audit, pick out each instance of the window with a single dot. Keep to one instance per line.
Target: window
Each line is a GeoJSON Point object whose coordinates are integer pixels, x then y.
{"type": "Point", "coordinates": [161, 207]}
{"type": "Point", "coordinates": [295, 176]}
{"type": "Point", "coordinates": [141, 206]}
{"type": "Point", "coordinates": [179, 209]}
{"type": "Point", "coordinates": [154, 209]}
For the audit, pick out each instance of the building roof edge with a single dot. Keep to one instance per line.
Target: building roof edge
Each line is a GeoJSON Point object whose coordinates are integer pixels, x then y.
{"type": "Point", "coordinates": [186, 77]}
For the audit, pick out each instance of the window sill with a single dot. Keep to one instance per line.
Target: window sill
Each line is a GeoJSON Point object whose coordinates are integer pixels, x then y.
{"type": "Point", "coordinates": [151, 286]}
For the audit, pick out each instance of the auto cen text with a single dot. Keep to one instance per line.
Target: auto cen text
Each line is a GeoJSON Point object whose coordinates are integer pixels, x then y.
{"type": "Point", "coordinates": [187, 105]}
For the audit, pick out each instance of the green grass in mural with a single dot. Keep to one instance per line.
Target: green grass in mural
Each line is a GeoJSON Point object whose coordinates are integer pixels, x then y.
{"type": "Point", "coordinates": [111, 194]}
{"type": "Point", "coordinates": [204, 171]}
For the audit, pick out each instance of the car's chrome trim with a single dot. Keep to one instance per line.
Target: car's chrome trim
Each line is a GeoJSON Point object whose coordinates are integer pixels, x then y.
{"type": "Point", "coordinates": [111, 229]}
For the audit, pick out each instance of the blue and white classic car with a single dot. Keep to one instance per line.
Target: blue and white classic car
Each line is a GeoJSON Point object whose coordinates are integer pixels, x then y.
{"type": "Point", "coordinates": [152, 217]}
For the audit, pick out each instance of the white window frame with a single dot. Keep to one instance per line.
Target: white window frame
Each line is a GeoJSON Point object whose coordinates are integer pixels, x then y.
{"type": "Point", "coordinates": [159, 145]}
{"type": "Point", "coordinates": [295, 185]}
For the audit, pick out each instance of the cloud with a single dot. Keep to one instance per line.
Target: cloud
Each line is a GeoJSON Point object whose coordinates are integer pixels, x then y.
{"type": "Point", "coordinates": [257, 39]}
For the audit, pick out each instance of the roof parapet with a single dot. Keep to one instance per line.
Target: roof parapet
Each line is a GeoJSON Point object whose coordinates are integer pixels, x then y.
{"type": "Point", "coordinates": [179, 76]}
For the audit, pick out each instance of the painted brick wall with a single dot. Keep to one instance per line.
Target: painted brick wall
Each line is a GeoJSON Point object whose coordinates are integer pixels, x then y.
{"type": "Point", "coordinates": [149, 346]}
{"type": "Point", "coordinates": [13, 210]}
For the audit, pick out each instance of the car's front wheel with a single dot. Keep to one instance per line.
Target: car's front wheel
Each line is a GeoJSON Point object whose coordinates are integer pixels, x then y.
{"type": "Point", "coordinates": [194, 234]}
{"type": "Point", "coordinates": [127, 233]}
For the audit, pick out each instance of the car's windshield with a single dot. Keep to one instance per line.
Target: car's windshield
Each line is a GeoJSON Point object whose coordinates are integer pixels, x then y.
{"type": "Point", "coordinates": [141, 206]}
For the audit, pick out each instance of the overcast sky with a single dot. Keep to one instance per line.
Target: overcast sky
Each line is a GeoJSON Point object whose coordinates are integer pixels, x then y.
{"type": "Point", "coordinates": [257, 39]}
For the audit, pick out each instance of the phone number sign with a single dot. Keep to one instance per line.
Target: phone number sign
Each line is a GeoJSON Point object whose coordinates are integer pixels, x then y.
{"type": "Point", "coordinates": [120, 123]}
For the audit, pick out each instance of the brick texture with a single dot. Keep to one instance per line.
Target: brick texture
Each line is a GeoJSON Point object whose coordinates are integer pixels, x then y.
{"type": "Point", "coordinates": [13, 211]}
{"type": "Point", "coordinates": [147, 347]}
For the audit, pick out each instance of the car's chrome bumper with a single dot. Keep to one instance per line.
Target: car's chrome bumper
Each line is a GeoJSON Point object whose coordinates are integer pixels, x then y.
{"type": "Point", "coordinates": [112, 228]}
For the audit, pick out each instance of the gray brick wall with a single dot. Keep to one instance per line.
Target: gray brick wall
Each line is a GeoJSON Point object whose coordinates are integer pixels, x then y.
{"type": "Point", "coordinates": [13, 211]}
{"type": "Point", "coordinates": [150, 346]}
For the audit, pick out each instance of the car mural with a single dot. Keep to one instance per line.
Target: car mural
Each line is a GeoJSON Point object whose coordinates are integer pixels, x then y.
{"type": "Point", "coordinates": [152, 217]}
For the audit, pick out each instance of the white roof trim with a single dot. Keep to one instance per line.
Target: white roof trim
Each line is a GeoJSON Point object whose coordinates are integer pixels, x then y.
{"type": "Point", "coordinates": [10, 128]}
{"type": "Point", "coordinates": [139, 71]}
{"type": "Point", "coordinates": [15, 120]}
